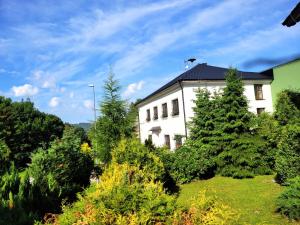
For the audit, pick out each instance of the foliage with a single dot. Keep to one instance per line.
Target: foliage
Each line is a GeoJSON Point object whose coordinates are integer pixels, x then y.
{"type": "Point", "coordinates": [59, 173]}
{"type": "Point", "coordinates": [222, 137]}
{"type": "Point", "coordinates": [288, 203]}
{"type": "Point", "coordinates": [16, 197]}
{"type": "Point", "coordinates": [4, 157]}
{"type": "Point", "coordinates": [245, 157]}
{"type": "Point", "coordinates": [125, 195]}
{"type": "Point", "coordinates": [72, 132]}
{"type": "Point", "coordinates": [192, 161]}
{"type": "Point", "coordinates": [287, 108]}
{"type": "Point", "coordinates": [24, 129]}
{"type": "Point", "coordinates": [85, 148]}
{"type": "Point", "coordinates": [288, 156]}
{"type": "Point", "coordinates": [113, 123]}
{"type": "Point", "coordinates": [206, 210]}
{"type": "Point", "coordinates": [234, 110]}
{"type": "Point", "coordinates": [203, 122]}
{"type": "Point", "coordinates": [131, 151]}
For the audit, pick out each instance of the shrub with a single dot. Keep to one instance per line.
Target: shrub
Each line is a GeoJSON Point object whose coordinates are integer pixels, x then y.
{"type": "Point", "coordinates": [59, 173]}
{"type": "Point", "coordinates": [288, 156]}
{"type": "Point", "coordinates": [193, 161]}
{"type": "Point", "coordinates": [245, 157]}
{"type": "Point", "coordinates": [125, 195]}
{"type": "Point", "coordinates": [207, 211]}
{"type": "Point", "coordinates": [288, 203]}
{"type": "Point", "coordinates": [131, 151]}
{"type": "Point", "coordinates": [287, 108]}
{"type": "Point", "coordinates": [16, 197]}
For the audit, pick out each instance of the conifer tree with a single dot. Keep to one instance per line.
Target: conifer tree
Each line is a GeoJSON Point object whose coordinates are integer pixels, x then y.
{"type": "Point", "coordinates": [202, 111]}
{"type": "Point", "coordinates": [113, 122]}
{"type": "Point", "coordinates": [234, 110]}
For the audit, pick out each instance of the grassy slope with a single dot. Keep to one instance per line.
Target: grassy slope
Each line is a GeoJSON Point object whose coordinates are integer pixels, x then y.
{"type": "Point", "coordinates": [254, 199]}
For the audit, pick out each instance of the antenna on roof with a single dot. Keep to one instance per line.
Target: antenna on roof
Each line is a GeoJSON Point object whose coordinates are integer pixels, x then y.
{"type": "Point", "coordinates": [189, 63]}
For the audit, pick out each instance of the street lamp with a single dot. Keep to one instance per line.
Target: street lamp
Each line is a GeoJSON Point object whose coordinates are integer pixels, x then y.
{"type": "Point", "coordinates": [93, 86]}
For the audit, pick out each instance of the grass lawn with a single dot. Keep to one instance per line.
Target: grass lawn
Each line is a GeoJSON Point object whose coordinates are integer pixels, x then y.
{"type": "Point", "coordinates": [254, 199]}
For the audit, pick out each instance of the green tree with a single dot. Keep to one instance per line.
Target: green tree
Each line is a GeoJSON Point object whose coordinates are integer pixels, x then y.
{"type": "Point", "coordinates": [288, 156]}
{"type": "Point", "coordinates": [202, 123]}
{"type": "Point", "coordinates": [234, 110]}
{"type": "Point", "coordinates": [114, 120]}
{"type": "Point", "coordinates": [4, 157]}
{"type": "Point", "coordinates": [60, 172]}
{"type": "Point", "coordinates": [287, 108]}
{"type": "Point", "coordinates": [24, 129]}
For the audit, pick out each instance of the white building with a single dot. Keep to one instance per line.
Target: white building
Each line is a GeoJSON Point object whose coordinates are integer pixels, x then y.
{"type": "Point", "coordinates": [164, 114]}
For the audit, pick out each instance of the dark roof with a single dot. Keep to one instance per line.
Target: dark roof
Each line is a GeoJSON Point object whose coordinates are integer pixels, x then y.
{"type": "Point", "coordinates": [207, 72]}
{"type": "Point", "coordinates": [293, 17]}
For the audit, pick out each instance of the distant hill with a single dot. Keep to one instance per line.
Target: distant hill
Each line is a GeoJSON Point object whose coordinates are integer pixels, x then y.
{"type": "Point", "coordinates": [85, 126]}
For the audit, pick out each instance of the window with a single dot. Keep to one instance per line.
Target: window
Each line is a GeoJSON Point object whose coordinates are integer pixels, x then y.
{"type": "Point", "coordinates": [175, 107]}
{"type": "Point", "coordinates": [258, 91]}
{"type": "Point", "coordinates": [167, 141]}
{"type": "Point", "coordinates": [164, 110]}
{"type": "Point", "coordinates": [148, 115]}
{"type": "Point", "coordinates": [178, 141]}
{"type": "Point", "coordinates": [150, 137]}
{"type": "Point", "coordinates": [260, 110]}
{"type": "Point", "coordinates": [155, 115]}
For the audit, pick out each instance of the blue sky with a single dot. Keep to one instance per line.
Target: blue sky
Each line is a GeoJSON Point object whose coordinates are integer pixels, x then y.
{"type": "Point", "coordinates": [51, 50]}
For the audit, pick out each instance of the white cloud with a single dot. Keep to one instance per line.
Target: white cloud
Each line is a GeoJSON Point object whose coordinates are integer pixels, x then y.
{"type": "Point", "coordinates": [133, 88]}
{"type": "Point", "coordinates": [25, 90]}
{"type": "Point", "coordinates": [49, 84]}
{"type": "Point", "coordinates": [37, 74]}
{"type": "Point", "coordinates": [54, 102]}
{"type": "Point", "coordinates": [139, 57]}
{"type": "Point", "coordinates": [88, 104]}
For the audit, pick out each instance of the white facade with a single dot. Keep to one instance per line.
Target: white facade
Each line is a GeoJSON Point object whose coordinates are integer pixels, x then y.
{"type": "Point", "coordinates": [171, 125]}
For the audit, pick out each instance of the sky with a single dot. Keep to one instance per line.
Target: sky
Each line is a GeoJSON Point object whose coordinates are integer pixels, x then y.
{"type": "Point", "coordinates": [50, 51]}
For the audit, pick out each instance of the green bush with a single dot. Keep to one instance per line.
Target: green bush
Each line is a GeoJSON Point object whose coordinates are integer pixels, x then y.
{"type": "Point", "coordinates": [245, 157]}
{"type": "Point", "coordinates": [288, 156]}
{"type": "Point", "coordinates": [193, 162]}
{"type": "Point", "coordinates": [59, 173]}
{"type": "Point", "coordinates": [288, 203]}
{"type": "Point", "coordinates": [16, 198]}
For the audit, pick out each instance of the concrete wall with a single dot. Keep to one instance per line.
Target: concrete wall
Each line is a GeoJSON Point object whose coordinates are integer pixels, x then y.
{"type": "Point", "coordinates": [286, 76]}
{"type": "Point", "coordinates": [174, 125]}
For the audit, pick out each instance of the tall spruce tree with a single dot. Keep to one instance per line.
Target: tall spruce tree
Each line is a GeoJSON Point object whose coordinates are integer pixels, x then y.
{"type": "Point", "coordinates": [204, 125]}
{"type": "Point", "coordinates": [241, 153]}
{"type": "Point", "coordinates": [113, 122]}
{"type": "Point", "coordinates": [234, 110]}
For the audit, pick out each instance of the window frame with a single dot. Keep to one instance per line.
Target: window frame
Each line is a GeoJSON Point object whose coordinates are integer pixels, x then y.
{"type": "Point", "coordinates": [164, 110]}
{"type": "Point", "coordinates": [258, 92]}
{"type": "Point", "coordinates": [155, 113]}
{"type": "Point", "coordinates": [260, 110]}
{"type": "Point", "coordinates": [148, 117]}
{"type": "Point", "coordinates": [175, 112]}
{"type": "Point", "coordinates": [167, 141]}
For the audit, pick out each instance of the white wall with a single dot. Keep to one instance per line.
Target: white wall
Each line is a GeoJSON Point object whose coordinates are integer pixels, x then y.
{"type": "Point", "coordinates": [171, 125]}
{"type": "Point", "coordinates": [174, 125]}
{"type": "Point", "coordinates": [190, 95]}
